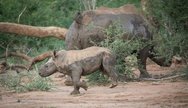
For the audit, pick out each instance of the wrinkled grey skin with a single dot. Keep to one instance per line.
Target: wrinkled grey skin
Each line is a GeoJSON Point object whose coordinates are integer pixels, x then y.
{"type": "Point", "coordinates": [80, 34]}
{"type": "Point", "coordinates": [77, 63]}
{"type": "Point", "coordinates": [88, 28]}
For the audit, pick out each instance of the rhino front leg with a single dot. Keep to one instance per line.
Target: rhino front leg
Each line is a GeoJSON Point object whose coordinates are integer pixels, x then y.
{"type": "Point", "coordinates": [76, 75]}
{"type": "Point", "coordinates": [76, 80]}
{"type": "Point", "coordinates": [69, 82]}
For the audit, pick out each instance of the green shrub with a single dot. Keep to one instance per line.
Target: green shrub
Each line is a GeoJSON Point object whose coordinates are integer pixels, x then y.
{"type": "Point", "coordinates": [97, 78]}
{"type": "Point", "coordinates": [25, 81]}
{"type": "Point", "coordinates": [185, 71]}
{"type": "Point", "coordinates": [171, 18]}
{"type": "Point", "coordinates": [39, 83]}
{"type": "Point", "coordinates": [121, 48]}
{"type": "Point", "coordinates": [169, 37]}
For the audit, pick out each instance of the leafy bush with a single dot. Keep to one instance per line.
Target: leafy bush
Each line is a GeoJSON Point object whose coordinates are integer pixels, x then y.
{"type": "Point", "coordinates": [39, 83]}
{"type": "Point", "coordinates": [25, 81]}
{"type": "Point", "coordinates": [170, 33]}
{"type": "Point", "coordinates": [42, 13]}
{"type": "Point", "coordinates": [121, 48]}
{"type": "Point", "coordinates": [171, 18]}
{"type": "Point", "coordinates": [37, 13]}
{"type": "Point", "coordinates": [186, 72]}
{"type": "Point", "coordinates": [97, 78]}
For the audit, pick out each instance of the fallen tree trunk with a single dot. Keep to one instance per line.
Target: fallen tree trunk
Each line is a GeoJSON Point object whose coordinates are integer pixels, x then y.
{"type": "Point", "coordinates": [34, 31]}
{"type": "Point", "coordinates": [39, 58]}
{"type": "Point", "coordinates": [31, 60]}
{"type": "Point", "coordinates": [4, 66]}
{"type": "Point", "coordinates": [16, 54]}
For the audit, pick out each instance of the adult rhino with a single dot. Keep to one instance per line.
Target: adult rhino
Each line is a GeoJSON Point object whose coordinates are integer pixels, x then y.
{"type": "Point", "coordinates": [88, 27]}
{"type": "Point", "coordinates": [77, 63]}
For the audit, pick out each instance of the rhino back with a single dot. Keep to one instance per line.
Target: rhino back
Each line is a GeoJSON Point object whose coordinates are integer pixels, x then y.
{"type": "Point", "coordinates": [93, 31]}
{"type": "Point", "coordinates": [72, 56]}
{"type": "Point", "coordinates": [88, 59]}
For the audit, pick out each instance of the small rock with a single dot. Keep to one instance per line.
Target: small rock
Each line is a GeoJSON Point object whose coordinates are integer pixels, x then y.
{"type": "Point", "coordinates": [155, 83]}
{"type": "Point", "coordinates": [18, 100]}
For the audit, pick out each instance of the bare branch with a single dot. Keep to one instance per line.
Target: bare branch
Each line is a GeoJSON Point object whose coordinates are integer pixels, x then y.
{"type": "Point", "coordinates": [167, 78]}
{"type": "Point", "coordinates": [16, 54]}
{"type": "Point", "coordinates": [31, 60]}
{"type": "Point", "coordinates": [40, 57]}
{"type": "Point", "coordinates": [18, 66]}
{"type": "Point", "coordinates": [33, 30]}
{"type": "Point", "coordinates": [4, 66]}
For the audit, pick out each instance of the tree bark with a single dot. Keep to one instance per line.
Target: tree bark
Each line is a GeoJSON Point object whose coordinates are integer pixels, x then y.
{"type": "Point", "coordinates": [39, 58]}
{"type": "Point", "coordinates": [16, 54]}
{"type": "Point", "coordinates": [34, 31]}
{"type": "Point", "coordinates": [31, 60]}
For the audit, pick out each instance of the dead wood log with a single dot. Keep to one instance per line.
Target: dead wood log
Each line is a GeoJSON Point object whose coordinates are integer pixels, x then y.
{"type": "Point", "coordinates": [31, 60]}
{"type": "Point", "coordinates": [39, 58]}
{"type": "Point", "coordinates": [16, 54]}
{"type": "Point", "coordinates": [34, 31]}
{"type": "Point", "coordinates": [4, 66]}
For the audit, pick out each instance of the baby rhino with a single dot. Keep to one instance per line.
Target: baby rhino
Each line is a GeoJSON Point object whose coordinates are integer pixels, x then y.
{"type": "Point", "coordinates": [77, 63]}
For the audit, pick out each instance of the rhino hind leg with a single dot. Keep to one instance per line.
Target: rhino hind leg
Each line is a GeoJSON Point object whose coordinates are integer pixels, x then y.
{"type": "Point", "coordinates": [142, 57]}
{"type": "Point", "coordinates": [68, 81]}
{"type": "Point", "coordinates": [83, 85]}
{"type": "Point", "coordinates": [161, 61]}
{"type": "Point", "coordinates": [109, 69]}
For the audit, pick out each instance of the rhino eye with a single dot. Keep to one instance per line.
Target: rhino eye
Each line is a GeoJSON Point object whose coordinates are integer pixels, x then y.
{"type": "Point", "coordinates": [46, 66]}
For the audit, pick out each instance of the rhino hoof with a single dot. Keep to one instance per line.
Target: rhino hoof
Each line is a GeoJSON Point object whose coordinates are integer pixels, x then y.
{"type": "Point", "coordinates": [113, 85]}
{"type": "Point", "coordinates": [75, 92]}
{"type": "Point", "coordinates": [84, 85]}
{"type": "Point", "coordinates": [85, 88]}
{"type": "Point", "coordinates": [144, 76]}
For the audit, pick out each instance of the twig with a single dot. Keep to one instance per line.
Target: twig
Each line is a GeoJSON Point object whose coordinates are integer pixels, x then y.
{"type": "Point", "coordinates": [21, 14]}
{"type": "Point", "coordinates": [39, 58]}
{"type": "Point", "coordinates": [172, 77]}
{"type": "Point", "coordinates": [17, 54]}
{"type": "Point", "coordinates": [31, 60]}
{"type": "Point", "coordinates": [2, 46]}
{"type": "Point", "coordinates": [162, 79]}
{"type": "Point", "coordinates": [5, 66]}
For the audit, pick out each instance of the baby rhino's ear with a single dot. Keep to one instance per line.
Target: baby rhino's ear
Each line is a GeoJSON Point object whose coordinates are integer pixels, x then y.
{"type": "Point", "coordinates": [54, 54]}
{"type": "Point", "coordinates": [78, 18]}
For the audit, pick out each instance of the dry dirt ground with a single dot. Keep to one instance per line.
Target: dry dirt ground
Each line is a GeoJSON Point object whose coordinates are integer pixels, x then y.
{"type": "Point", "coordinates": [143, 94]}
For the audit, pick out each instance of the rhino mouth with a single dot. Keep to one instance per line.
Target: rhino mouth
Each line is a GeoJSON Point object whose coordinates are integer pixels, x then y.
{"type": "Point", "coordinates": [45, 74]}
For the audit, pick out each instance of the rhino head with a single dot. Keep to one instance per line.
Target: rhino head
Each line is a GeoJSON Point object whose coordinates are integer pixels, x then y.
{"type": "Point", "coordinates": [53, 64]}
{"type": "Point", "coordinates": [49, 67]}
